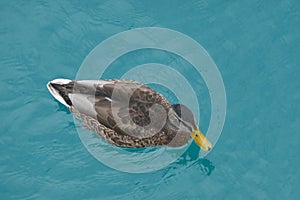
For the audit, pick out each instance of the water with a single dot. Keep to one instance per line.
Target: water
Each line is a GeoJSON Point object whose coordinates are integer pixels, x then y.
{"type": "Point", "coordinates": [256, 48]}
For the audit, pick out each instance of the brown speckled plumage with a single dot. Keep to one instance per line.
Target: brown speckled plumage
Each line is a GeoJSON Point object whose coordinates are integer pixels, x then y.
{"type": "Point", "coordinates": [97, 103]}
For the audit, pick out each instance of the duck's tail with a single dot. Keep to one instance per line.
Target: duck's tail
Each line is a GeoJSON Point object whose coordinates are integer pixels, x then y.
{"type": "Point", "coordinates": [59, 90]}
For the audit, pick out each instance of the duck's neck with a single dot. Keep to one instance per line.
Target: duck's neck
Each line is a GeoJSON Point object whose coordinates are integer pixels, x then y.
{"type": "Point", "coordinates": [177, 139]}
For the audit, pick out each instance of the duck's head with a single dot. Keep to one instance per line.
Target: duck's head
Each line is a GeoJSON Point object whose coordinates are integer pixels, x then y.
{"type": "Point", "coordinates": [182, 120]}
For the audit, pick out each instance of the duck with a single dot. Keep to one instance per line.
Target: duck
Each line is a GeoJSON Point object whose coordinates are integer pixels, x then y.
{"type": "Point", "coordinates": [128, 114]}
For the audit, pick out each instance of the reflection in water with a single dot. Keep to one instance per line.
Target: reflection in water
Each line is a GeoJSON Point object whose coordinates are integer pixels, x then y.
{"type": "Point", "coordinates": [190, 159]}
{"type": "Point", "coordinates": [62, 108]}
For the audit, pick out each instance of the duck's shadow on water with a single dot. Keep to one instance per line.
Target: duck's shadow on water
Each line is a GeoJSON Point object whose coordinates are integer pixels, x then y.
{"type": "Point", "coordinates": [62, 108]}
{"type": "Point", "coordinates": [190, 159]}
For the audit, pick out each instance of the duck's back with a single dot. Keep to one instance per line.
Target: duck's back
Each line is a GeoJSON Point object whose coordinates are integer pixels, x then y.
{"type": "Point", "coordinates": [126, 107]}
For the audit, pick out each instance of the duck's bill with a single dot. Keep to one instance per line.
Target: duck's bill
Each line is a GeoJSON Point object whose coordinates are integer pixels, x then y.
{"type": "Point", "coordinates": [201, 140]}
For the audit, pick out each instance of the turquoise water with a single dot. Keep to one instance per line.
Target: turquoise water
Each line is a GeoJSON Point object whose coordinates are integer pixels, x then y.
{"type": "Point", "coordinates": [256, 48]}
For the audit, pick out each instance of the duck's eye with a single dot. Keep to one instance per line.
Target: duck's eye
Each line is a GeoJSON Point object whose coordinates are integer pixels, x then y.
{"type": "Point", "coordinates": [196, 135]}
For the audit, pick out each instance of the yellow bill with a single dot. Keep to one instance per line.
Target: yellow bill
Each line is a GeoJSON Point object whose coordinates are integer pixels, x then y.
{"type": "Point", "coordinates": [201, 140]}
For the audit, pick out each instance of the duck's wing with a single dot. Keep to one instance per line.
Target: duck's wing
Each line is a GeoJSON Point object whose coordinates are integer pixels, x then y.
{"type": "Point", "coordinates": [125, 106]}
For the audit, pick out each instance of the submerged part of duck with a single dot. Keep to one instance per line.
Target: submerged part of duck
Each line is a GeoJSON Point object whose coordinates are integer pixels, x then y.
{"type": "Point", "coordinates": [128, 114]}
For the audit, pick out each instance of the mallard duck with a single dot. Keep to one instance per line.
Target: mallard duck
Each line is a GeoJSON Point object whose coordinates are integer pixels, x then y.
{"type": "Point", "coordinates": [128, 114]}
